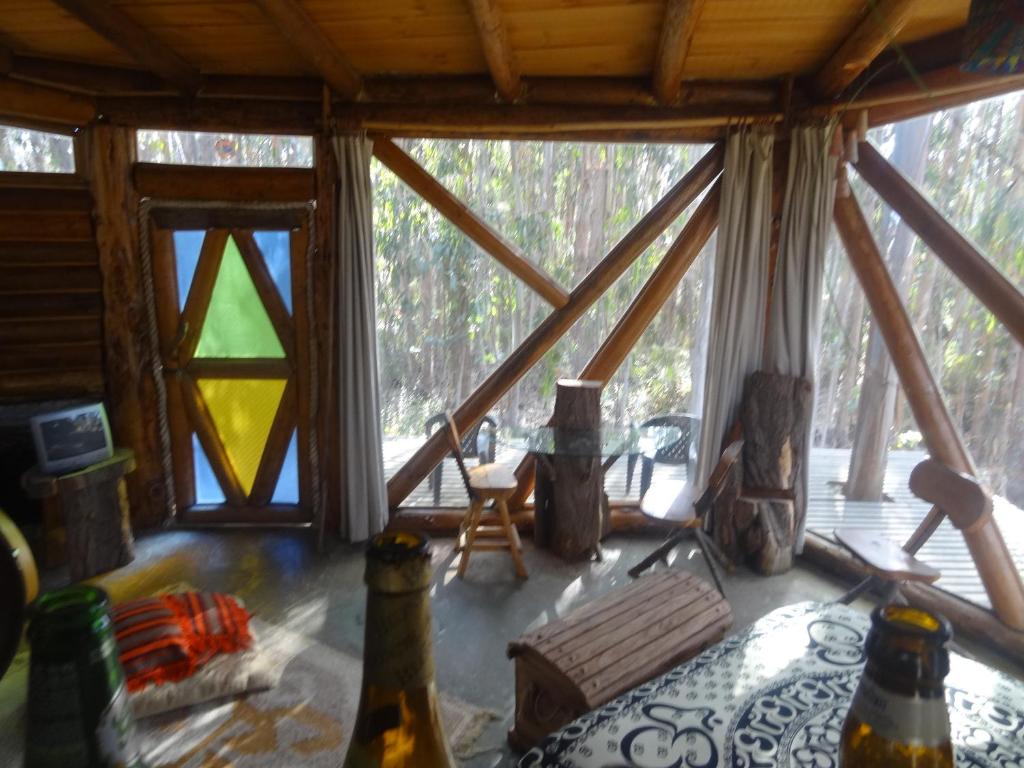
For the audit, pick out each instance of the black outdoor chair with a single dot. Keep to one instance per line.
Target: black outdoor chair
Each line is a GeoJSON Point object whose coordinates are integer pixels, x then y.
{"type": "Point", "coordinates": [675, 453]}
{"type": "Point", "coordinates": [472, 447]}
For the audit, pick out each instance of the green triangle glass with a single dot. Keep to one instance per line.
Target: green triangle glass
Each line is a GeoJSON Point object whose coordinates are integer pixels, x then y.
{"type": "Point", "coordinates": [237, 324]}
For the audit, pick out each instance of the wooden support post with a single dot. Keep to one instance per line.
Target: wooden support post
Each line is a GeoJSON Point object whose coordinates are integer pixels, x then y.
{"type": "Point", "coordinates": [554, 326]}
{"type": "Point", "coordinates": [677, 28]}
{"type": "Point", "coordinates": [885, 19]}
{"type": "Point", "coordinates": [471, 225]}
{"type": "Point", "coordinates": [988, 549]}
{"type": "Point", "coordinates": [131, 388]}
{"type": "Point", "coordinates": [975, 271]}
{"type": "Point", "coordinates": [641, 312]}
{"type": "Point", "coordinates": [494, 40]}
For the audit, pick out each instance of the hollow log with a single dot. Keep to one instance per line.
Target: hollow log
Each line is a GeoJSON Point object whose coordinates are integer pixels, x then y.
{"type": "Point", "coordinates": [572, 492]}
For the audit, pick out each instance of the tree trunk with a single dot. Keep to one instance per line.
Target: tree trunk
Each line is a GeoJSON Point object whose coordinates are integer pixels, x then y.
{"type": "Point", "coordinates": [568, 507]}
{"type": "Point", "coordinates": [876, 407]}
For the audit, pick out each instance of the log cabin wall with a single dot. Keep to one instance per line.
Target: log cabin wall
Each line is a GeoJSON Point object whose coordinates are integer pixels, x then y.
{"type": "Point", "coordinates": [51, 303]}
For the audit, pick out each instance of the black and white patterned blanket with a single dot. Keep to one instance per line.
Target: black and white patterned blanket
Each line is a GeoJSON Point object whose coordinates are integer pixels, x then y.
{"type": "Point", "coordinates": [776, 694]}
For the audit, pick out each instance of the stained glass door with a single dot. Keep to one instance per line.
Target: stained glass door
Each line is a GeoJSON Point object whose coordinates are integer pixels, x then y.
{"type": "Point", "coordinates": [231, 306]}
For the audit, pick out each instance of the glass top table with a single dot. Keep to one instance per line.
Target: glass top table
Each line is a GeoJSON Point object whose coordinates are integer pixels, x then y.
{"type": "Point", "coordinates": [609, 440]}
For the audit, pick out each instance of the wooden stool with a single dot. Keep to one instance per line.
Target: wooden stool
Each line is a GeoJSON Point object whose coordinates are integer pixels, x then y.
{"type": "Point", "coordinates": [488, 482]}
{"type": "Point", "coordinates": [93, 504]}
{"type": "Point", "coordinates": [610, 645]}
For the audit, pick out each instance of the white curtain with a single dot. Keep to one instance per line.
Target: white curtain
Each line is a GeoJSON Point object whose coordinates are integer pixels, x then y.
{"type": "Point", "coordinates": [363, 493]}
{"type": "Point", "coordinates": [794, 322]}
{"type": "Point", "coordinates": [736, 336]}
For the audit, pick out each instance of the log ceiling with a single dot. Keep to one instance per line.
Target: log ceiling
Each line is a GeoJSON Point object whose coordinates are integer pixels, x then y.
{"type": "Point", "coordinates": [642, 70]}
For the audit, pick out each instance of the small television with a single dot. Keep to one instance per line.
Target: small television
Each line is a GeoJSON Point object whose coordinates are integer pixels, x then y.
{"type": "Point", "coordinates": [72, 438]}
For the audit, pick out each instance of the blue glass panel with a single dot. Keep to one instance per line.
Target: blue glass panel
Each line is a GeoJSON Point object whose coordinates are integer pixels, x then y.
{"type": "Point", "coordinates": [207, 488]}
{"type": "Point", "coordinates": [287, 489]}
{"type": "Point", "coordinates": [276, 249]}
{"type": "Point", "coordinates": [187, 244]}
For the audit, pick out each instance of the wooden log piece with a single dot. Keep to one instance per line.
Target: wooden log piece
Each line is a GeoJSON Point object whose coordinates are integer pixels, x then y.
{"type": "Point", "coordinates": [573, 508]}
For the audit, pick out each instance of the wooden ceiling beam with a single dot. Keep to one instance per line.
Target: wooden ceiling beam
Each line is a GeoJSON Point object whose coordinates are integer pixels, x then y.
{"type": "Point", "coordinates": [872, 35]}
{"type": "Point", "coordinates": [23, 102]}
{"type": "Point", "coordinates": [494, 39]}
{"type": "Point", "coordinates": [680, 21]}
{"type": "Point", "coordinates": [148, 50]}
{"type": "Point", "coordinates": [312, 43]}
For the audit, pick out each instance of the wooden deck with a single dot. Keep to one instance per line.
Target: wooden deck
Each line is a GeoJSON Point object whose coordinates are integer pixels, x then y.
{"type": "Point", "coordinates": [827, 509]}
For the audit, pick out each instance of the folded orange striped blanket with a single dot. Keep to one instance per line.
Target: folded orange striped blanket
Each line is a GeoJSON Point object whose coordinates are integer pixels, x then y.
{"type": "Point", "coordinates": [167, 638]}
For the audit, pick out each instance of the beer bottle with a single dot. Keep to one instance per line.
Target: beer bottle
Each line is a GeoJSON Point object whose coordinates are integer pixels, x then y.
{"type": "Point", "coordinates": [898, 716]}
{"type": "Point", "coordinates": [398, 724]}
{"type": "Point", "coordinates": [79, 715]}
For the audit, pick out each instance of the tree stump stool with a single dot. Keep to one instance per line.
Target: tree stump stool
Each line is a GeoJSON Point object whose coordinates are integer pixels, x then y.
{"type": "Point", "coordinates": [94, 505]}
{"type": "Point", "coordinates": [606, 647]}
{"type": "Point", "coordinates": [570, 484]}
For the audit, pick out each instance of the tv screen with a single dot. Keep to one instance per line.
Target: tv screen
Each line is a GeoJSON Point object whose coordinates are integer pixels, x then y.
{"type": "Point", "coordinates": [72, 439]}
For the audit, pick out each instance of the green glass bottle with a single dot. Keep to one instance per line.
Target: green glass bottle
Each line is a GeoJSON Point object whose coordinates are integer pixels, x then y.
{"type": "Point", "coordinates": [79, 715]}
{"type": "Point", "coordinates": [399, 722]}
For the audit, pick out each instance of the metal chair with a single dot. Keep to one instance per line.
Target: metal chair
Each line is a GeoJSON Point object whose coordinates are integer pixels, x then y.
{"type": "Point", "coordinates": [470, 444]}
{"type": "Point", "coordinates": [676, 453]}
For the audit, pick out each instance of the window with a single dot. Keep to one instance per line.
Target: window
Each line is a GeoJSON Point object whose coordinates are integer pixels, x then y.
{"type": "Point", "coordinates": [225, 149]}
{"type": "Point", "coordinates": [231, 323]}
{"type": "Point", "coordinates": [22, 149]}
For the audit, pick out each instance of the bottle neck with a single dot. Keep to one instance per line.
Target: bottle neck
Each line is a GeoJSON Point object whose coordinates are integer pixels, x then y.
{"type": "Point", "coordinates": [397, 652]}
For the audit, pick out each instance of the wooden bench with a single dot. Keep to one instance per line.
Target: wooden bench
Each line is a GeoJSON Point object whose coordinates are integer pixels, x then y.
{"type": "Point", "coordinates": [606, 647]}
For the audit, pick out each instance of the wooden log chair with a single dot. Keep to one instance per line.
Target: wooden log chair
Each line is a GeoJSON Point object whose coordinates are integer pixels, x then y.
{"type": "Point", "coordinates": [755, 520]}
{"type": "Point", "coordinates": [479, 442]}
{"type": "Point", "coordinates": [967, 504]}
{"type": "Point", "coordinates": [676, 453]}
{"type": "Point", "coordinates": [487, 482]}
{"type": "Point", "coordinates": [677, 505]}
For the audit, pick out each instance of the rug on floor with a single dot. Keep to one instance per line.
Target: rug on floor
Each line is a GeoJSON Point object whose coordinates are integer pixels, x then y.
{"type": "Point", "coordinates": [305, 719]}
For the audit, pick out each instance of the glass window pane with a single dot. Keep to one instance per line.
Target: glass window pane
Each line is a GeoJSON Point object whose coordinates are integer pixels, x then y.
{"type": "Point", "coordinates": [236, 323]}
{"type": "Point", "coordinates": [22, 149]}
{"type": "Point", "coordinates": [243, 411]}
{"type": "Point", "coordinates": [232, 149]}
{"type": "Point", "coordinates": [187, 245]}
{"type": "Point", "coordinates": [287, 489]}
{"type": "Point", "coordinates": [208, 490]}
{"type": "Point", "coordinates": [276, 249]}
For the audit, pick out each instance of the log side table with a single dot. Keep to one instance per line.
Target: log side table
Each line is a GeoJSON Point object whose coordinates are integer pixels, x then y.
{"type": "Point", "coordinates": [92, 505]}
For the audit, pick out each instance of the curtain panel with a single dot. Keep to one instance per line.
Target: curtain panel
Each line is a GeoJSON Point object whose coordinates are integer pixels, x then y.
{"type": "Point", "coordinates": [736, 334]}
{"type": "Point", "coordinates": [794, 322]}
{"type": "Point", "coordinates": [363, 494]}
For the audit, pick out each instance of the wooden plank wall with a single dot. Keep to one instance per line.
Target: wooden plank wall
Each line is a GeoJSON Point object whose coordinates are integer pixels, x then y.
{"type": "Point", "coordinates": [51, 302]}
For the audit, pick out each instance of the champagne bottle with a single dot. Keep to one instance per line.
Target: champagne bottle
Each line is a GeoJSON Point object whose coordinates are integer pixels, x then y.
{"type": "Point", "coordinates": [399, 723]}
{"type": "Point", "coordinates": [898, 716]}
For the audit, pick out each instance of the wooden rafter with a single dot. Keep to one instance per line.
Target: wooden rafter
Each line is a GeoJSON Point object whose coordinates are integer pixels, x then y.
{"type": "Point", "coordinates": [677, 29]}
{"type": "Point", "coordinates": [555, 325]}
{"type": "Point", "coordinates": [267, 290]}
{"type": "Point", "coordinates": [276, 447]}
{"type": "Point", "coordinates": [986, 282]}
{"type": "Point", "coordinates": [209, 439]}
{"type": "Point", "coordinates": [198, 301]}
{"type": "Point", "coordinates": [988, 549]}
{"type": "Point", "coordinates": [640, 313]}
{"type": "Point", "coordinates": [147, 49]}
{"type": "Point", "coordinates": [490, 28]}
{"type": "Point", "coordinates": [872, 35]}
{"type": "Point", "coordinates": [475, 228]}
{"type": "Point", "coordinates": [22, 101]}
{"type": "Point", "coordinates": [309, 41]}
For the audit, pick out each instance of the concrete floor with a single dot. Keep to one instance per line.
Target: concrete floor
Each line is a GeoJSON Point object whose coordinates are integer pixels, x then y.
{"type": "Point", "coordinates": [283, 581]}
